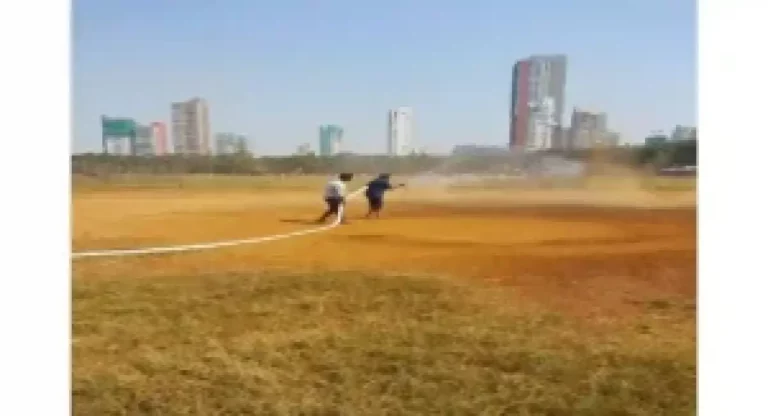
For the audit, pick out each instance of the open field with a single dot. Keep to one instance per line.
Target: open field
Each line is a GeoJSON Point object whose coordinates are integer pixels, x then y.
{"type": "Point", "coordinates": [459, 300]}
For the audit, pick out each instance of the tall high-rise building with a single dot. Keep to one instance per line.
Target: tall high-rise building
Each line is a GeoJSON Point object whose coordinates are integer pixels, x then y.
{"type": "Point", "coordinates": [400, 132]}
{"type": "Point", "coordinates": [538, 101]}
{"type": "Point", "coordinates": [160, 137]}
{"type": "Point", "coordinates": [191, 127]}
{"type": "Point", "coordinates": [330, 139]}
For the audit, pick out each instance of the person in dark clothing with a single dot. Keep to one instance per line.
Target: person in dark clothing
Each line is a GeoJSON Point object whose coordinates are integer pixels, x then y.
{"type": "Point", "coordinates": [374, 192]}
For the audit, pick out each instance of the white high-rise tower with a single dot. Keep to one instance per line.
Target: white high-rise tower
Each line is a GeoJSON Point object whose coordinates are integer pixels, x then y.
{"type": "Point", "coordinates": [191, 127]}
{"type": "Point", "coordinates": [400, 134]}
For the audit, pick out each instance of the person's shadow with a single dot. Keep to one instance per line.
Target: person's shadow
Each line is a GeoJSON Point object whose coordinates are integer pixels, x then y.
{"type": "Point", "coordinates": [314, 222]}
{"type": "Point", "coordinates": [298, 221]}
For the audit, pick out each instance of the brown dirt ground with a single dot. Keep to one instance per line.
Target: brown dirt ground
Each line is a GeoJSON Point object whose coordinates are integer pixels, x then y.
{"type": "Point", "coordinates": [581, 252]}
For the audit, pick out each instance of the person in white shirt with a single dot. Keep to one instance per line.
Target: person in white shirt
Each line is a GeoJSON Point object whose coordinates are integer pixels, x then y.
{"type": "Point", "coordinates": [335, 191]}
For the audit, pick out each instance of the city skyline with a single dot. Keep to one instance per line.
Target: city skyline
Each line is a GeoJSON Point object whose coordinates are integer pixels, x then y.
{"type": "Point", "coordinates": [587, 129]}
{"type": "Point", "coordinates": [457, 77]}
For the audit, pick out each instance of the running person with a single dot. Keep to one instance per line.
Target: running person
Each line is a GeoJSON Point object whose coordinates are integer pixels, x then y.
{"type": "Point", "coordinates": [374, 192]}
{"type": "Point", "coordinates": [335, 191]}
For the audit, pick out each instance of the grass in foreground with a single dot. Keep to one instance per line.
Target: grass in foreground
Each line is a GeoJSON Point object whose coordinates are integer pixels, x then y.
{"type": "Point", "coordinates": [359, 345]}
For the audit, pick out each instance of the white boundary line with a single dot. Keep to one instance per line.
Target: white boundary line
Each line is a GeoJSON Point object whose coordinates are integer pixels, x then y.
{"type": "Point", "coordinates": [213, 245]}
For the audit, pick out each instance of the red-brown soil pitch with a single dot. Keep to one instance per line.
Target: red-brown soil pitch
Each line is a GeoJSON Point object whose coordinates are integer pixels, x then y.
{"type": "Point", "coordinates": [580, 252]}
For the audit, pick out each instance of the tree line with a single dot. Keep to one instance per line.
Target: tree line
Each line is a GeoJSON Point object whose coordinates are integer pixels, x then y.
{"type": "Point", "coordinates": [244, 164]}
{"type": "Point", "coordinates": [656, 157]}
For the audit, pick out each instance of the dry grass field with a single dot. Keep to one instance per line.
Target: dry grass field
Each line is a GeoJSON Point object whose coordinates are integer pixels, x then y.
{"type": "Point", "coordinates": [459, 300]}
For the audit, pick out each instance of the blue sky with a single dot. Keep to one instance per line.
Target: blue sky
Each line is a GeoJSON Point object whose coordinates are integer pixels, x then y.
{"type": "Point", "coordinates": [276, 70]}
